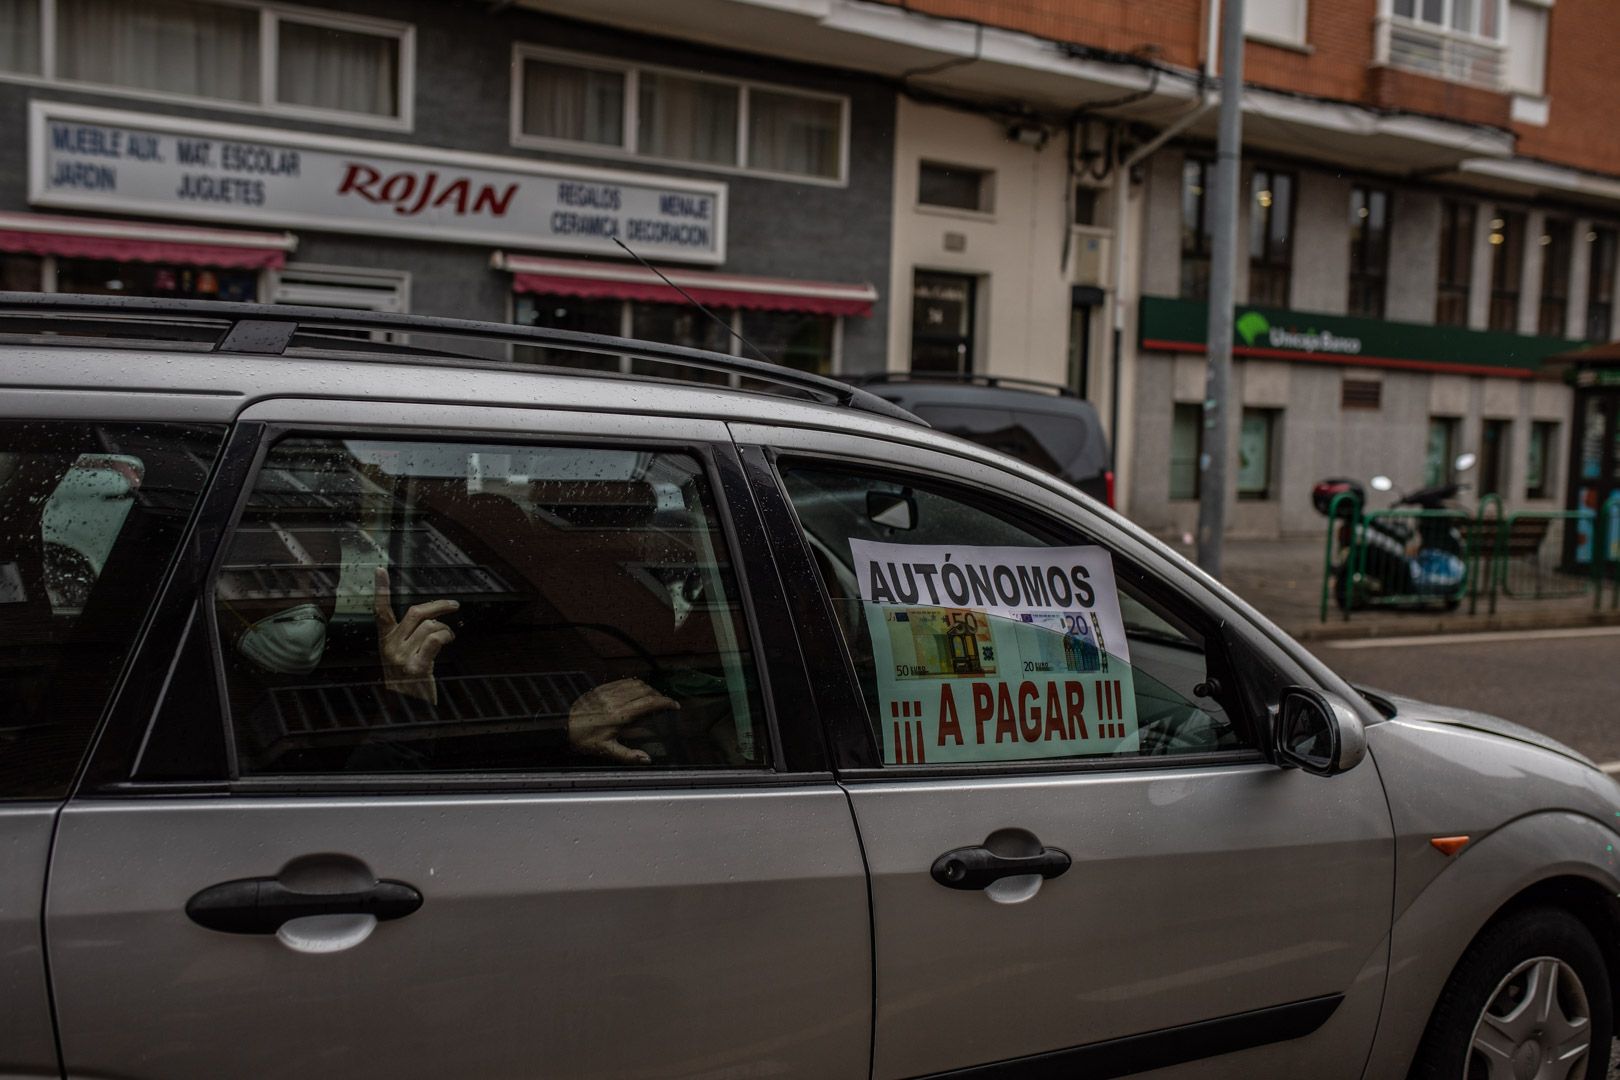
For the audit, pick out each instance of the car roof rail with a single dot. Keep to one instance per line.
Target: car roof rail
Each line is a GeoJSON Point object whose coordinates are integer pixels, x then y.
{"type": "Point", "coordinates": [964, 378]}
{"type": "Point", "coordinates": [274, 329]}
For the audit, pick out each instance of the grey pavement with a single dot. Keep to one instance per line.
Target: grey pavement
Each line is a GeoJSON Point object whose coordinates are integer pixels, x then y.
{"type": "Point", "coordinates": [1283, 578]}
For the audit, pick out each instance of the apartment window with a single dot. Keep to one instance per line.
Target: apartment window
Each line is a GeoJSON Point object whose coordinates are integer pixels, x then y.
{"type": "Point", "coordinates": [676, 116]}
{"type": "Point", "coordinates": [1507, 269]}
{"type": "Point", "coordinates": [1281, 21]}
{"type": "Point", "coordinates": [1476, 18]}
{"type": "Point", "coordinates": [687, 119]}
{"type": "Point", "coordinates": [1196, 239]}
{"type": "Point", "coordinates": [1557, 242]}
{"type": "Point", "coordinates": [955, 187]}
{"type": "Point", "coordinates": [171, 46]}
{"type": "Point", "coordinates": [19, 36]}
{"type": "Point", "coordinates": [1271, 240]}
{"type": "Point", "coordinates": [1186, 444]}
{"type": "Point", "coordinates": [1441, 450]}
{"type": "Point", "coordinates": [1538, 478]}
{"type": "Point", "coordinates": [328, 67]}
{"type": "Point", "coordinates": [311, 62]}
{"type": "Point", "coordinates": [573, 102]}
{"type": "Point", "coordinates": [1495, 440]}
{"type": "Point", "coordinates": [1600, 284]}
{"type": "Point", "coordinates": [1369, 250]}
{"type": "Point", "coordinates": [1255, 447]}
{"type": "Point", "coordinates": [791, 133]}
{"type": "Point", "coordinates": [1527, 47]}
{"type": "Point", "coordinates": [1456, 263]}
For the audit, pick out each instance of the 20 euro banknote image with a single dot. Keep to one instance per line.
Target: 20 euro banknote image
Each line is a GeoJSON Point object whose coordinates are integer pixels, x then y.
{"type": "Point", "coordinates": [1051, 643]}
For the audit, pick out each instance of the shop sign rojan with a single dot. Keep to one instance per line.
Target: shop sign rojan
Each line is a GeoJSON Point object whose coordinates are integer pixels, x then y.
{"type": "Point", "coordinates": [176, 167]}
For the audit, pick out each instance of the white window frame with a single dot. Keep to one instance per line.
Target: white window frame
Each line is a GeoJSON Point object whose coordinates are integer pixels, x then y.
{"type": "Point", "coordinates": [313, 277]}
{"type": "Point", "coordinates": [523, 51]}
{"type": "Point", "coordinates": [1444, 27]}
{"type": "Point", "coordinates": [270, 16]}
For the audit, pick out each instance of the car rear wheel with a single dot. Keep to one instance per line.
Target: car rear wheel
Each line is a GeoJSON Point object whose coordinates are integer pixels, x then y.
{"type": "Point", "coordinates": [1530, 1000]}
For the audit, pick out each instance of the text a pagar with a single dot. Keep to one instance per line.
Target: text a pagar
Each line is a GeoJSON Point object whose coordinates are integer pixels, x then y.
{"type": "Point", "coordinates": [1012, 718]}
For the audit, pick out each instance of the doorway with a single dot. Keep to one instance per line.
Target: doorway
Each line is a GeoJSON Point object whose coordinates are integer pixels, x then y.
{"type": "Point", "coordinates": [943, 317]}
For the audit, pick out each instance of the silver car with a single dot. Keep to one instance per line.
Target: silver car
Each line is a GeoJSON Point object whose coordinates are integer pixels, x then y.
{"type": "Point", "coordinates": [374, 709]}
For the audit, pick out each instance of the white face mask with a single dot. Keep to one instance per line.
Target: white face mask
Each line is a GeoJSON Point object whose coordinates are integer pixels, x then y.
{"type": "Point", "coordinates": [289, 642]}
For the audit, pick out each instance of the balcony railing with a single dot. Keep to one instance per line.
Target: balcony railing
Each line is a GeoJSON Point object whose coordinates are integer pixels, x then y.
{"type": "Point", "coordinates": [1430, 50]}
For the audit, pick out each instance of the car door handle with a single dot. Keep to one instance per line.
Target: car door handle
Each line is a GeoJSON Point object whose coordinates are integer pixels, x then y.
{"type": "Point", "coordinates": [976, 867]}
{"type": "Point", "coordinates": [262, 905]}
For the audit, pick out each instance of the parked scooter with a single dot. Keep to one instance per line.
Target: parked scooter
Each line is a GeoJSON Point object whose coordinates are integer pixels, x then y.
{"type": "Point", "coordinates": [1421, 558]}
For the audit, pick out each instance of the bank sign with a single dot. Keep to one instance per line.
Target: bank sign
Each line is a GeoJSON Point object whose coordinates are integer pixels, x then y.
{"type": "Point", "coordinates": [173, 167]}
{"type": "Point", "coordinates": [1172, 324]}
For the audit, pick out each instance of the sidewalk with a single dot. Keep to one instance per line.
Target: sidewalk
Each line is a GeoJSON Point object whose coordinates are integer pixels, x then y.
{"type": "Point", "coordinates": [1283, 578]}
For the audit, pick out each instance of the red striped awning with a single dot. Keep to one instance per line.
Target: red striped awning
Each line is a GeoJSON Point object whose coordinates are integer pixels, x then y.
{"type": "Point", "coordinates": [134, 241]}
{"type": "Point", "coordinates": [613, 281]}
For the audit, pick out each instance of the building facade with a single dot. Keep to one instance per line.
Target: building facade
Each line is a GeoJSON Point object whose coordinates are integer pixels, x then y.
{"type": "Point", "coordinates": [449, 159]}
{"type": "Point", "coordinates": [1430, 203]}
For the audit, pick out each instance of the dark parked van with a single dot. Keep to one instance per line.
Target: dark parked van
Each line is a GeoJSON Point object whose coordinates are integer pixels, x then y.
{"type": "Point", "coordinates": [1041, 424]}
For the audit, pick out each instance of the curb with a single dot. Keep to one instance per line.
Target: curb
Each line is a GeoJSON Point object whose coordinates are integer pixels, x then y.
{"type": "Point", "coordinates": [1415, 626]}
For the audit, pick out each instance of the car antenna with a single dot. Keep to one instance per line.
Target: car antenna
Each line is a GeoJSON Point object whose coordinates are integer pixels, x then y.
{"type": "Point", "coordinates": [723, 324]}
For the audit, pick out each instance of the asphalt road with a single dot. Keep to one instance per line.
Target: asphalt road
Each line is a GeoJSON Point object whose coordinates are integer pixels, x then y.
{"type": "Point", "coordinates": [1564, 685]}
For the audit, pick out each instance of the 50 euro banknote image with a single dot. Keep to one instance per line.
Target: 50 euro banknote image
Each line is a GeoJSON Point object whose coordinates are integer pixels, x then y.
{"type": "Point", "coordinates": [933, 643]}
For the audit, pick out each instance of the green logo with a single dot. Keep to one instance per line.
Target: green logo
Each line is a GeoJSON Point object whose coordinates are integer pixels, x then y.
{"type": "Point", "coordinates": [1251, 325]}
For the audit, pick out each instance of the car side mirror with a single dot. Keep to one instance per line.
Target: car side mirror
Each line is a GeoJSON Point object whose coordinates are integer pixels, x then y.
{"type": "Point", "coordinates": [895, 509]}
{"type": "Point", "coordinates": [1318, 732]}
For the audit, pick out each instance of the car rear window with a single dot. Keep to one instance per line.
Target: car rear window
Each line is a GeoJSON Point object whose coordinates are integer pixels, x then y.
{"type": "Point", "coordinates": [90, 517]}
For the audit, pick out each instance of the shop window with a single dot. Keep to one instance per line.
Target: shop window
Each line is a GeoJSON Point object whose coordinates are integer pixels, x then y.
{"type": "Point", "coordinates": [955, 187]}
{"type": "Point", "coordinates": [793, 339]}
{"type": "Point", "coordinates": [942, 322]}
{"type": "Point", "coordinates": [1527, 47]}
{"type": "Point", "coordinates": [1493, 457]}
{"type": "Point", "coordinates": [1196, 240]}
{"type": "Point", "coordinates": [101, 277]}
{"type": "Point", "coordinates": [330, 67]}
{"type": "Point", "coordinates": [1507, 269]}
{"type": "Point", "coordinates": [794, 134]}
{"type": "Point", "coordinates": [1271, 239]}
{"type": "Point", "coordinates": [19, 36]}
{"type": "Point", "coordinates": [595, 102]}
{"type": "Point", "coordinates": [1186, 444]}
{"type": "Point", "coordinates": [1256, 439]}
{"type": "Point", "coordinates": [1557, 242]}
{"type": "Point", "coordinates": [1369, 250]}
{"type": "Point", "coordinates": [569, 313]}
{"type": "Point", "coordinates": [263, 57]}
{"type": "Point", "coordinates": [1440, 451]}
{"type": "Point", "coordinates": [1538, 478]}
{"type": "Point", "coordinates": [1456, 263]}
{"type": "Point", "coordinates": [1600, 284]}
{"type": "Point", "coordinates": [1275, 20]}
{"type": "Point", "coordinates": [21, 273]}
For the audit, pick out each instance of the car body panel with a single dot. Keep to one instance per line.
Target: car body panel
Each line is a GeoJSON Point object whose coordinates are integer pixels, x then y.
{"type": "Point", "coordinates": [27, 1041]}
{"type": "Point", "coordinates": [582, 934]}
{"type": "Point", "coordinates": [1182, 875]}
